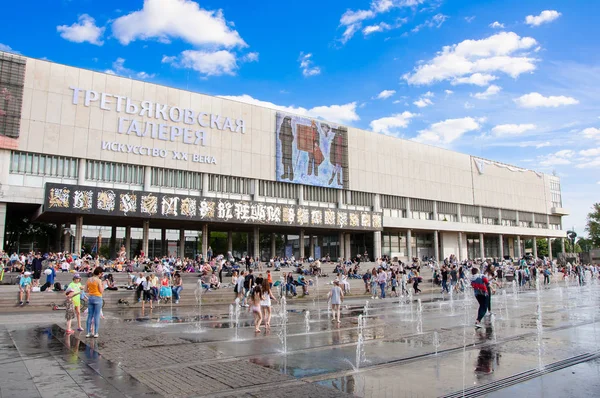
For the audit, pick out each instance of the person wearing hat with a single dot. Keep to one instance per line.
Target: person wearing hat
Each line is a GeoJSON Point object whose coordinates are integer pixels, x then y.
{"type": "Point", "coordinates": [77, 287]}
{"type": "Point", "coordinates": [70, 308]}
{"type": "Point", "coordinates": [25, 286]}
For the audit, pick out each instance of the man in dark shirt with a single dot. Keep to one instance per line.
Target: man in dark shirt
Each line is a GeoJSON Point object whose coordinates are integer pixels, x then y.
{"type": "Point", "coordinates": [445, 287]}
{"type": "Point", "coordinates": [36, 266]}
{"type": "Point", "coordinates": [248, 282]}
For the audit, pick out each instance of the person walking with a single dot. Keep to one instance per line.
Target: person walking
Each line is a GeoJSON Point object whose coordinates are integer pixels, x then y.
{"type": "Point", "coordinates": [336, 296]}
{"type": "Point", "coordinates": [94, 289]}
{"type": "Point", "coordinates": [479, 284]}
{"type": "Point", "coordinates": [416, 280]}
{"type": "Point", "coordinates": [381, 280]}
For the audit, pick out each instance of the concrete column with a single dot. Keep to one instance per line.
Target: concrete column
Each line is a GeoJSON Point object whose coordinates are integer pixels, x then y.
{"type": "Point", "coordinates": [501, 246]}
{"type": "Point", "coordinates": [518, 248]}
{"type": "Point", "coordinates": [481, 245]}
{"type": "Point", "coordinates": [204, 240]}
{"type": "Point", "coordinates": [164, 250]}
{"type": "Point", "coordinates": [2, 225]}
{"type": "Point", "coordinates": [81, 171]}
{"type": "Point", "coordinates": [147, 178]}
{"type": "Point", "coordinates": [435, 213]}
{"type": "Point", "coordinates": [230, 241]}
{"type": "Point", "coordinates": [301, 242]}
{"type": "Point", "coordinates": [533, 220]}
{"type": "Point", "coordinates": [348, 246]}
{"type": "Point", "coordinates": [340, 198]}
{"type": "Point", "coordinates": [78, 234]}
{"type": "Point", "coordinates": [341, 244]}
{"type": "Point", "coordinates": [547, 221]}
{"type": "Point", "coordinates": [409, 253]}
{"type": "Point", "coordinates": [256, 193]}
{"type": "Point", "coordinates": [301, 195]}
{"type": "Point", "coordinates": [273, 245]}
{"type": "Point", "coordinates": [182, 243]}
{"type": "Point", "coordinates": [145, 236]}
{"type": "Point", "coordinates": [205, 178]}
{"type": "Point", "coordinates": [481, 217]}
{"type": "Point", "coordinates": [377, 244]}
{"type": "Point", "coordinates": [535, 247]}
{"type": "Point", "coordinates": [256, 251]}
{"type": "Point", "coordinates": [460, 246]}
{"type": "Point", "coordinates": [348, 197]}
{"type": "Point", "coordinates": [377, 202]}
{"type": "Point", "coordinates": [563, 248]}
{"type": "Point", "coordinates": [550, 248]}
{"type": "Point", "coordinates": [436, 245]}
{"type": "Point", "coordinates": [128, 242]}
{"type": "Point", "coordinates": [112, 245]}
{"type": "Point", "coordinates": [458, 214]}
{"type": "Point", "coordinates": [408, 213]}
{"type": "Point", "coordinates": [499, 216]}
{"type": "Point", "coordinates": [517, 219]}
{"type": "Point", "coordinates": [311, 246]}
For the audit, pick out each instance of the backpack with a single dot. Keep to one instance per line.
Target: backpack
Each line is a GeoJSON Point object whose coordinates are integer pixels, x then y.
{"type": "Point", "coordinates": [57, 287]}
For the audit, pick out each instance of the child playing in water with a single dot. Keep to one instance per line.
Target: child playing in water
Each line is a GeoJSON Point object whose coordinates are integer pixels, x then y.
{"type": "Point", "coordinates": [256, 310]}
{"type": "Point", "coordinates": [70, 313]}
{"type": "Point", "coordinates": [336, 296]}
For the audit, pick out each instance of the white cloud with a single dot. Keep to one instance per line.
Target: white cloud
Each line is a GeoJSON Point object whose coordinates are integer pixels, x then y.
{"type": "Point", "coordinates": [469, 105]}
{"type": "Point", "coordinates": [352, 20]}
{"type": "Point", "coordinates": [502, 130]}
{"type": "Point", "coordinates": [385, 94]}
{"type": "Point", "coordinates": [590, 152]}
{"type": "Point", "coordinates": [7, 48]}
{"type": "Point", "coordinates": [336, 113]}
{"type": "Point", "coordinates": [497, 25]}
{"type": "Point", "coordinates": [591, 132]}
{"type": "Point", "coordinates": [545, 17]}
{"type": "Point", "coordinates": [208, 63]}
{"type": "Point", "coordinates": [560, 158]}
{"type": "Point", "coordinates": [306, 64]}
{"type": "Point", "coordinates": [502, 52]}
{"type": "Point", "coordinates": [447, 131]}
{"type": "Point", "coordinates": [537, 100]}
{"type": "Point", "coordinates": [470, 19]}
{"type": "Point", "coordinates": [489, 92]}
{"type": "Point", "coordinates": [84, 30]}
{"type": "Point", "coordinates": [588, 164]}
{"type": "Point", "coordinates": [250, 57]}
{"type": "Point", "coordinates": [423, 102]}
{"type": "Point", "coordinates": [118, 68]}
{"type": "Point", "coordinates": [177, 19]}
{"type": "Point", "coordinates": [391, 124]}
{"type": "Point", "coordinates": [478, 79]}
{"type": "Point", "coordinates": [448, 92]}
{"type": "Point", "coordinates": [435, 22]}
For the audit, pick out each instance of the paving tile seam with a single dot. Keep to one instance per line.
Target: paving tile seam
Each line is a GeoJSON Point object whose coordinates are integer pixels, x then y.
{"type": "Point", "coordinates": [418, 358]}
{"type": "Point", "coordinates": [26, 367]}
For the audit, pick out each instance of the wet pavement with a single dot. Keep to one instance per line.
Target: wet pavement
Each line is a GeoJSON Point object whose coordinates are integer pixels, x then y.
{"type": "Point", "coordinates": [539, 343]}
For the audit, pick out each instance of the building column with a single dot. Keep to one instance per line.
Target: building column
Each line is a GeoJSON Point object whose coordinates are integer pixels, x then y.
{"type": "Point", "coordinates": [67, 238]}
{"type": "Point", "coordinates": [499, 216]}
{"type": "Point", "coordinates": [2, 225]}
{"type": "Point", "coordinates": [518, 248]}
{"type": "Point", "coordinates": [535, 248]}
{"type": "Point", "coordinates": [145, 236]}
{"type": "Point", "coordinates": [435, 213]}
{"type": "Point", "coordinates": [501, 246]}
{"type": "Point", "coordinates": [348, 246]}
{"type": "Point", "coordinates": [204, 240]}
{"type": "Point", "coordinates": [112, 244]}
{"type": "Point", "coordinates": [409, 254]}
{"type": "Point", "coordinates": [517, 220]}
{"type": "Point", "coordinates": [273, 245]}
{"type": "Point", "coordinates": [377, 244]}
{"type": "Point", "coordinates": [311, 246]}
{"type": "Point", "coordinates": [255, 190]}
{"type": "Point", "coordinates": [458, 214]}
{"type": "Point", "coordinates": [81, 172]}
{"type": "Point", "coordinates": [460, 245]}
{"type": "Point", "coordinates": [256, 241]}
{"type": "Point", "coordinates": [408, 214]}
{"type": "Point", "coordinates": [182, 243]}
{"type": "Point", "coordinates": [481, 246]}
{"type": "Point", "coordinates": [230, 242]}
{"type": "Point", "coordinates": [341, 244]}
{"type": "Point", "coordinates": [128, 242]}
{"type": "Point", "coordinates": [436, 245]}
{"type": "Point", "coordinates": [340, 198]}
{"type": "Point", "coordinates": [550, 248]}
{"type": "Point", "coordinates": [205, 184]}
{"type": "Point", "coordinates": [148, 178]}
{"type": "Point", "coordinates": [78, 234]}
{"type": "Point", "coordinates": [300, 195]}
{"type": "Point", "coordinates": [481, 220]}
{"type": "Point", "coordinates": [563, 248]}
{"type": "Point", "coordinates": [301, 242]}
{"type": "Point", "coordinates": [164, 250]}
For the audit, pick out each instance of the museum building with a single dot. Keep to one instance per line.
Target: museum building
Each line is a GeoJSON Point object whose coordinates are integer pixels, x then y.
{"type": "Point", "coordinates": [116, 161]}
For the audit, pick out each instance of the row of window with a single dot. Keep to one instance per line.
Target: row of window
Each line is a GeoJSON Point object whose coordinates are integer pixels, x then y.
{"type": "Point", "coordinates": [43, 165]}
{"type": "Point", "coordinates": [170, 178]}
{"type": "Point", "coordinates": [320, 194]}
{"type": "Point", "coordinates": [275, 189]}
{"type": "Point", "coordinates": [228, 184]}
{"type": "Point", "coordinates": [96, 170]}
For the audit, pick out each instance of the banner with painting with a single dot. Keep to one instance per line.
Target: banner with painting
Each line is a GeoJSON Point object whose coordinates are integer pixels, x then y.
{"type": "Point", "coordinates": [12, 81]}
{"type": "Point", "coordinates": [311, 152]}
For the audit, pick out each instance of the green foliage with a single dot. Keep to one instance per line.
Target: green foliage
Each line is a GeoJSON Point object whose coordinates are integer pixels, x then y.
{"type": "Point", "coordinates": [593, 225]}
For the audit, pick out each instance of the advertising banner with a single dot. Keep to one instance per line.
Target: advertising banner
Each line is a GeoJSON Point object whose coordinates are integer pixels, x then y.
{"type": "Point", "coordinates": [311, 152]}
{"type": "Point", "coordinates": [81, 200]}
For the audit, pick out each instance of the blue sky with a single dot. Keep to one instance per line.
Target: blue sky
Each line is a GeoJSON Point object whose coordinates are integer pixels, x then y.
{"type": "Point", "coordinates": [512, 81]}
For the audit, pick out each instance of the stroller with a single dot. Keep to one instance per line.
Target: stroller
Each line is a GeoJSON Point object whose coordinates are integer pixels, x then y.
{"type": "Point", "coordinates": [165, 294]}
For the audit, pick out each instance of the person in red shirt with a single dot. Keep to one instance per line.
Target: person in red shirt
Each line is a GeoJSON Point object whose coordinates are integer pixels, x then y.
{"type": "Point", "coordinates": [479, 284]}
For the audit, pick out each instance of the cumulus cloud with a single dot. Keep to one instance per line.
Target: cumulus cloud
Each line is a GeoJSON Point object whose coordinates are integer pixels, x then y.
{"type": "Point", "coordinates": [391, 124]}
{"type": "Point", "coordinates": [207, 63]}
{"type": "Point", "coordinates": [478, 79]}
{"type": "Point", "coordinates": [591, 132]}
{"type": "Point", "coordinates": [537, 100]}
{"type": "Point", "coordinates": [352, 20]}
{"type": "Point", "coordinates": [306, 65]}
{"type": "Point", "coordinates": [590, 152]}
{"type": "Point", "coordinates": [84, 30]}
{"type": "Point", "coordinates": [497, 25]}
{"type": "Point", "coordinates": [335, 113]}
{"type": "Point", "coordinates": [118, 68]}
{"type": "Point", "coordinates": [502, 130]}
{"type": "Point", "coordinates": [489, 92]}
{"type": "Point", "coordinates": [385, 94]}
{"type": "Point", "coordinates": [448, 92]}
{"type": "Point", "coordinates": [502, 52]}
{"type": "Point", "coordinates": [544, 17]}
{"type": "Point", "coordinates": [177, 19]}
{"type": "Point", "coordinates": [250, 57]}
{"type": "Point", "coordinates": [560, 158]}
{"type": "Point", "coordinates": [447, 131]}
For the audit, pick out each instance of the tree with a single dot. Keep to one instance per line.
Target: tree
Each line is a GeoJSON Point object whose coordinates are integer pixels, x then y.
{"type": "Point", "coordinates": [593, 225]}
{"type": "Point", "coordinates": [585, 244]}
